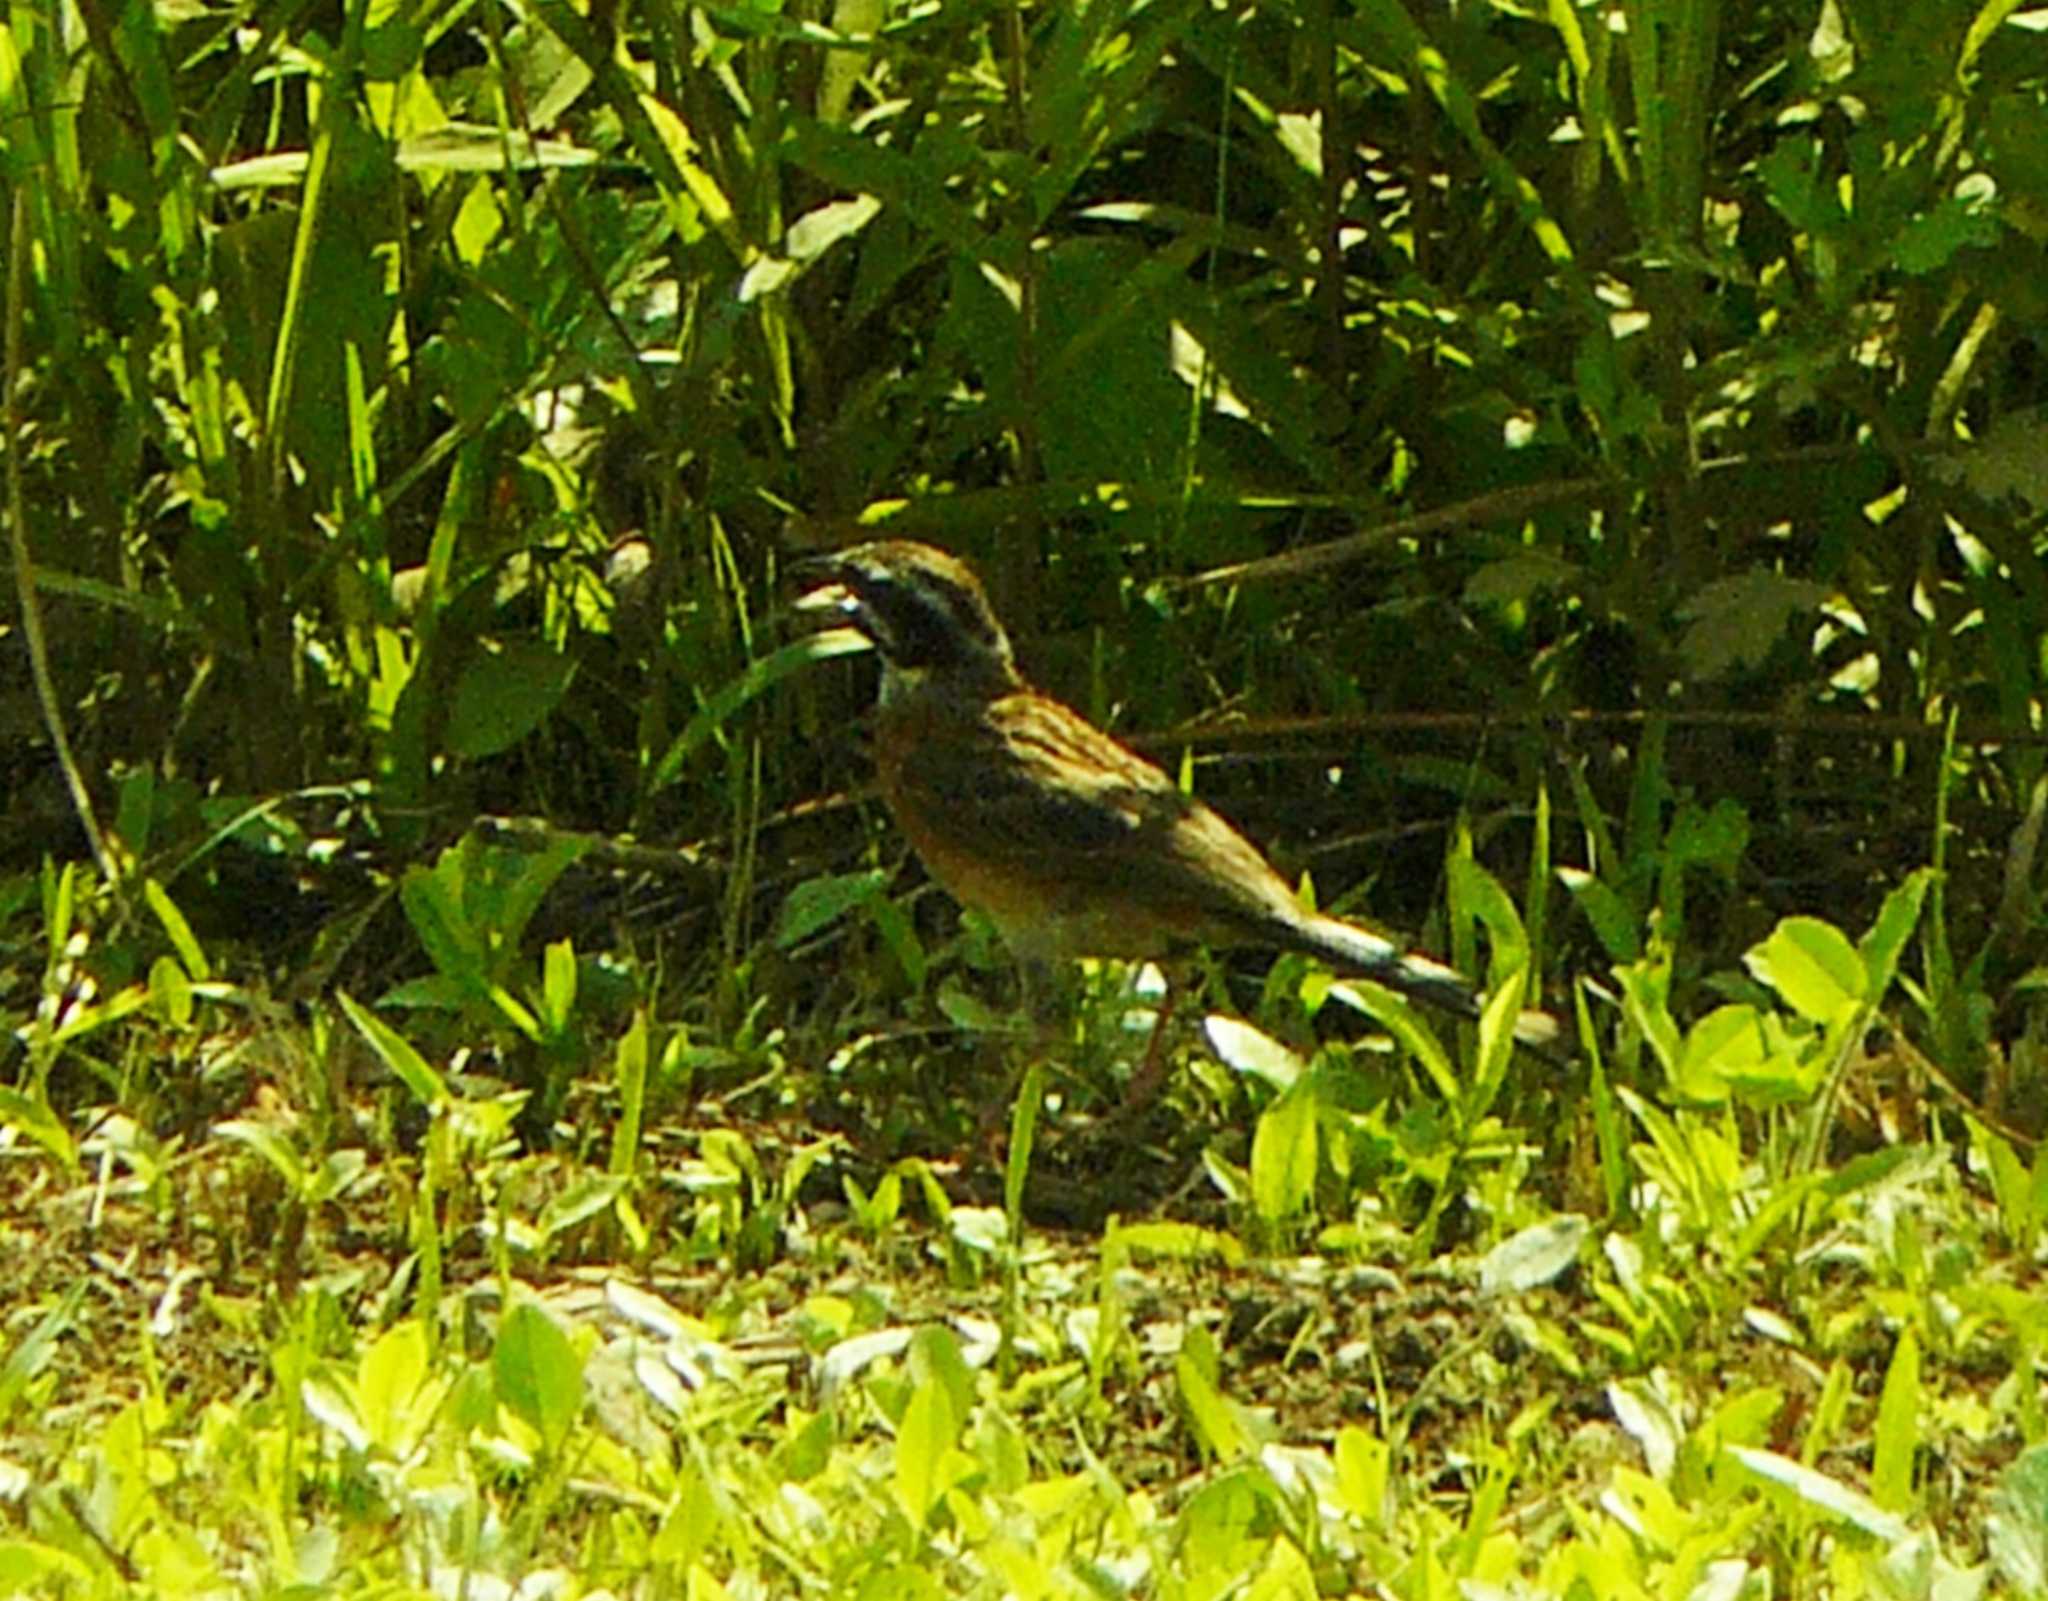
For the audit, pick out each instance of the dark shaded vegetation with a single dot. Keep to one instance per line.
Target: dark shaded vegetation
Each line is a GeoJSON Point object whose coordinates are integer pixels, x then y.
{"type": "Point", "coordinates": [1592, 450]}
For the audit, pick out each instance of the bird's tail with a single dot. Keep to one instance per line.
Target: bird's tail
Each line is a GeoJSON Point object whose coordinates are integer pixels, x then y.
{"type": "Point", "coordinates": [1360, 951]}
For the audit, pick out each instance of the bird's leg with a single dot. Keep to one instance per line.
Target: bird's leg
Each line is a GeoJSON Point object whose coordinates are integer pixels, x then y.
{"type": "Point", "coordinates": [1145, 1083]}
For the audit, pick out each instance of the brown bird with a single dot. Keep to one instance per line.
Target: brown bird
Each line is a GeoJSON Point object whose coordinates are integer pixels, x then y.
{"type": "Point", "coordinates": [1070, 843]}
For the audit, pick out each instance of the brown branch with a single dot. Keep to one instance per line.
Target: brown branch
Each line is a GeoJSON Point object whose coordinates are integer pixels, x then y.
{"type": "Point", "coordinates": [1829, 725]}
{"type": "Point", "coordinates": [1498, 505]}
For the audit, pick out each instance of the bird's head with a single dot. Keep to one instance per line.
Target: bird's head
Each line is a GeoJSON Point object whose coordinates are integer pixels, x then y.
{"type": "Point", "coordinates": [926, 612]}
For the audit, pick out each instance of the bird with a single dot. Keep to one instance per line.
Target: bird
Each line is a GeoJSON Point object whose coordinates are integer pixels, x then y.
{"type": "Point", "coordinates": [1069, 842]}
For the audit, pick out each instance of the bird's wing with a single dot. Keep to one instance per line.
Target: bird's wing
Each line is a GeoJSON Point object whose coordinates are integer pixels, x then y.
{"type": "Point", "coordinates": [1030, 779]}
{"type": "Point", "coordinates": [1037, 787]}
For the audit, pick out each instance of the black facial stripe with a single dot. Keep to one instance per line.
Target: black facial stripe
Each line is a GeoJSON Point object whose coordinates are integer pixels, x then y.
{"type": "Point", "coordinates": [926, 625]}
{"type": "Point", "coordinates": [928, 620]}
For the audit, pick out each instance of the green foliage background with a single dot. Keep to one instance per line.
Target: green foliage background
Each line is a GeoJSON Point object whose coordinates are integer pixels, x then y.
{"type": "Point", "coordinates": [426, 396]}
{"type": "Point", "coordinates": [1578, 360]}
{"type": "Point", "coordinates": [1605, 441]}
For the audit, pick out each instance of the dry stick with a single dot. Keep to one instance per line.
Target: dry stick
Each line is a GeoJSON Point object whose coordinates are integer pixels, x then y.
{"type": "Point", "coordinates": [1249, 734]}
{"type": "Point", "coordinates": [24, 564]}
{"type": "Point", "coordinates": [1497, 506]}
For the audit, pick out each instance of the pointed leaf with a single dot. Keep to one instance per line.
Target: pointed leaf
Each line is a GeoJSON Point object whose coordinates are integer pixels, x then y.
{"type": "Point", "coordinates": [1284, 1155]}
{"type": "Point", "coordinates": [1812, 966]}
{"type": "Point", "coordinates": [539, 1375]}
{"type": "Point", "coordinates": [1534, 1256]}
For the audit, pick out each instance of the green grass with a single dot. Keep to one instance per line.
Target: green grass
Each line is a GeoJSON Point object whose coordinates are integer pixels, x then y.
{"type": "Point", "coordinates": [328, 1315]}
{"type": "Point", "coordinates": [1426, 416]}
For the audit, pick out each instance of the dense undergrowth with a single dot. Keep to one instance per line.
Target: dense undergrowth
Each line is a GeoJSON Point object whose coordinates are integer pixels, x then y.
{"type": "Point", "coordinates": [491, 1111]}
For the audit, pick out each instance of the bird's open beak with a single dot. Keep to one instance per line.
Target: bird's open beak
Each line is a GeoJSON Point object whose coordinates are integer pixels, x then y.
{"type": "Point", "coordinates": [830, 596]}
{"type": "Point", "coordinates": [828, 599]}
{"type": "Point", "coordinates": [826, 586]}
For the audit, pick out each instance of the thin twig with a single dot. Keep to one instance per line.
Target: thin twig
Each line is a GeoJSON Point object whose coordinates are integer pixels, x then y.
{"type": "Point", "coordinates": [24, 564]}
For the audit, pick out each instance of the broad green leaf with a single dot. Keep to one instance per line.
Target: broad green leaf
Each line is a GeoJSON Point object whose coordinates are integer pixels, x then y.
{"type": "Point", "coordinates": [2017, 1527]}
{"type": "Point", "coordinates": [693, 1518]}
{"type": "Point", "coordinates": [433, 903]}
{"type": "Point", "coordinates": [1520, 578]}
{"type": "Point", "coordinates": [171, 990]}
{"type": "Point", "coordinates": [558, 988]}
{"type": "Point", "coordinates": [1285, 1575]}
{"type": "Point", "coordinates": [900, 936]}
{"type": "Point", "coordinates": [1897, 1436]}
{"type": "Point", "coordinates": [29, 1567]}
{"type": "Point", "coordinates": [539, 1376]}
{"type": "Point", "coordinates": [35, 1122]}
{"type": "Point", "coordinates": [1610, 915]}
{"type": "Point", "coordinates": [1363, 1461]}
{"type": "Point", "coordinates": [1284, 1155]}
{"type": "Point", "coordinates": [394, 1392]}
{"type": "Point", "coordinates": [523, 879]}
{"type": "Point", "coordinates": [1741, 1051]}
{"type": "Point", "coordinates": [1831, 1497]}
{"type": "Point", "coordinates": [477, 223]}
{"type": "Point", "coordinates": [505, 694]}
{"type": "Point", "coordinates": [2008, 460]}
{"type": "Point", "coordinates": [1885, 940]}
{"type": "Point", "coordinates": [926, 1434]}
{"type": "Point", "coordinates": [1727, 1042]}
{"type": "Point", "coordinates": [268, 1143]}
{"type": "Point", "coordinates": [817, 903]}
{"type": "Point", "coordinates": [1713, 837]}
{"type": "Point", "coordinates": [1215, 1421]}
{"type": "Point", "coordinates": [1735, 622]}
{"type": "Point", "coordinates": [1532, 1256]}
{"type": "Point", "coordinates": [177, 930]}
{"type": "Point", "coordinates": [1795, 187]}
{"type": "Point", "coordinates": [2011, 1183]}
{"type": "Point", "coordinates": [396, 1052]}
{"type": "Point", "coordinates": [1393, 1013]}
{"type": "Point", "coordinates": [935, 1355]}
{"type": "Point", "coordinates": [1226, 1527]}
{"type": "Point", "coordinates": [1477, 893]}
{"type": "Point", "coordinates": [1812, 966]}
{"type": "Point", "coordinates": [1931, 240]}
{"type": "Point", "coordinates": [1500, 1017]}
{"type": "Point", "coordinates": [32, 1352]}
{"type": "Point", "coordinates": [1180, 1242]}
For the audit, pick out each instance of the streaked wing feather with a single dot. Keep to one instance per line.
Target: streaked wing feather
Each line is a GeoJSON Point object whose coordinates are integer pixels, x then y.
{"type": "Point", "coordinates": [1044, 789]}
{"type": "Point", "coordinates": [1064, 802]}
